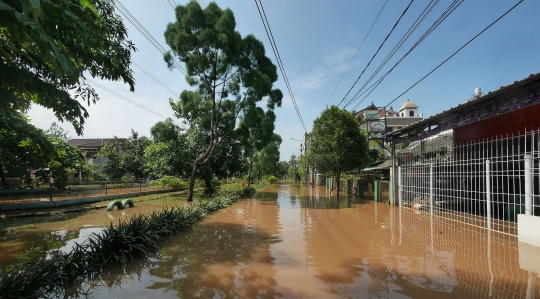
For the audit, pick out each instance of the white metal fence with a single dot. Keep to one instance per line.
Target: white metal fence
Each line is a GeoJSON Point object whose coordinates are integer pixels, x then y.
{"type": "Point", "coordinates": [462, 260]}
{"type": "Point", "coordinates": [486, 183]}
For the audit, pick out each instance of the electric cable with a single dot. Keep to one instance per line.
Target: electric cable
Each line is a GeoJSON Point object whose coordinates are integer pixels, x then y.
{"type": "Point", "coordinates": [278, 58]}
{"type": "Point", "coordinates": [427, 10]}
{"type": "Point", "coordinates": [374, 55]}
{"type": "Point", "coordinates": [125, 99]}
{"type": "Point", "coordinates": [436, 24]}
{"type": "Point", "coordinates": [450, 57]}
{"type": "Point", "coordinates": [156, 79]}
{"type": "Point", "coordinates": [123, 10]}
{"type": "Point", "coordinates": [361, 44]}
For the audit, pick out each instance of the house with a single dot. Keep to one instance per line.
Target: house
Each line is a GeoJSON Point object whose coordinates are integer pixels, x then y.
{"type": "Point", "coordinates": [90, 148]}
{"type": "Point", "coordinates": [394, 120]}
{"type": "Point", "coordinates": [476, 162]}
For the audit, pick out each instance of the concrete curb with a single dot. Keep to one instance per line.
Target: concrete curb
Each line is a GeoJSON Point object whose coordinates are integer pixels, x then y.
{"type": "Point", "coordinates": [74, 201]}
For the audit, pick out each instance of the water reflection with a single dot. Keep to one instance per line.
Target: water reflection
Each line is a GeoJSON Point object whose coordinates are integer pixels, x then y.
{"type": "Point", "coordinates": [295, 242]}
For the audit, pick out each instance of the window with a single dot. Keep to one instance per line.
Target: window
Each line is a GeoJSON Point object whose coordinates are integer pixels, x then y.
{"type": "Point", "coordinates": [411, 113]}
{"type": "Point", "coordinates": [91, 154]}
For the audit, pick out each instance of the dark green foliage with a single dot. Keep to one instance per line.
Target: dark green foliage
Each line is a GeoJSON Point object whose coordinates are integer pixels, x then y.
{"type": "Point", "coordinates": [125, 156]}
{"type": "Point", "coordinates": [24, 147]}
{"type": "Point", "coordinates": [47, 48]}
{"type": "Point", "coordinates": [231, 75]}
{"type": "Point", "coordinates": [337, 144]}
{"type": "Point", "coordinates": [167, 182]}
{"type": "Point", "coordinates": [121, 244]}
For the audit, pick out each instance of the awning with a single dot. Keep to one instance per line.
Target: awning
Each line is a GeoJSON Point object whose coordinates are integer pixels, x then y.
{"type": "Point", "coordinates": [387, 164]}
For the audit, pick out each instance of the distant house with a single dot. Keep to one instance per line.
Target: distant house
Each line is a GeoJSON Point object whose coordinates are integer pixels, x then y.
{"type": "Point", "coordinates": [90, 148]}
{"type": "Point", "coordinates": [379, 121]}
{"type": "Point", "coordinates": [394, 120]}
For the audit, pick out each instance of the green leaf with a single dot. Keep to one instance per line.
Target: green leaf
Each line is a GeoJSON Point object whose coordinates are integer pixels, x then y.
{"type": "Point", "coordinates": [4, 6]}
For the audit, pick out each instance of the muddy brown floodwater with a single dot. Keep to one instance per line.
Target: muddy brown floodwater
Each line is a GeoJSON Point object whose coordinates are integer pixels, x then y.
{"type": "Point", "coordinates": [295, 242]}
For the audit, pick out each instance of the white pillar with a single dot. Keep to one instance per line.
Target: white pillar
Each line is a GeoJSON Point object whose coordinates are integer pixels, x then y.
{"type": "Point", "coordinates": [400, 186]}
{"type": "Point", "coordinates": [488, 195]}
{"type": "Point", "coordinates": [528, 185]}
{"type": "Point", "coordinates": [431, 189]}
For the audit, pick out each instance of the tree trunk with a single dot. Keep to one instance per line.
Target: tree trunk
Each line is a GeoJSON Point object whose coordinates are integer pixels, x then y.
{"type": "Point", "coordinates": [2, 175]}
{"type": "Point", "coordinates": [192, 182]}
{"type": "Point", "coordinates": [337, 179]}
{"type": "Point", "coordinates": [250, 171]}
{"type": "Point", "coordinates": [209, 187]}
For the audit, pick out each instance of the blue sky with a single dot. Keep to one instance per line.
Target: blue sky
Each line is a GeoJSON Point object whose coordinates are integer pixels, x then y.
{"type": "Point", "coordinates": [317, 40]}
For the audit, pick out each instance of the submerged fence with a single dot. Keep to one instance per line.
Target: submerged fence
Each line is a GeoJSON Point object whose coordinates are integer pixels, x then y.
{"type": "Point", "coordinates": [485, 183]}
{"type": "Point", "coordinates": [78, 190]}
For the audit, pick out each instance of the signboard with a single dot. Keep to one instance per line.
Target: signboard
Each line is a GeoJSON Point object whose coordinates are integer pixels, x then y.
{"type": "Point", "coordinates": [372, 115]}
{"type": "Point", "coordinates": [377, 126]}
{"type": "Point", "coordinates": [375, 143]}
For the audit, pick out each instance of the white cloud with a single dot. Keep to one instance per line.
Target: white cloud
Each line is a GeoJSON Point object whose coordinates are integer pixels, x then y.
{"type": "Point", "coordinates": [334, 62]}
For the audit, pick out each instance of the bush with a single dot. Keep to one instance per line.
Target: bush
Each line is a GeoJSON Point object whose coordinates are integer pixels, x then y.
{"type": "Point", "coordinates": [272, 179]}
{"type": "Point", "coordinates": [127, 180]}
{"type": "Point", "coordinates": [168, 182]}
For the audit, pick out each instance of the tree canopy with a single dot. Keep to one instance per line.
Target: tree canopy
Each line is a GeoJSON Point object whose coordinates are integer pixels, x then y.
{"type": "Point", "coordinates": [125, 156]}
{"type": "Point", "coordinates": [25, 147]}
{"type": "Point", "coordinates": [337, 144]}
{"type": "Point", "coordinates": [231, 75]}
{"type": "Point", "coordinates": [47, 47]}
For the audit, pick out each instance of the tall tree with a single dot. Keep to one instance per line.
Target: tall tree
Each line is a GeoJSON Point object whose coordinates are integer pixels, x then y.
{"type": "Point", "coordinates": [337, 143]}
{"type": "Point", "coordinates": [269, 157]}
{"type": "Point", "coordinates": [47, 47]}
{"type": "Point", "coordinates": [232, 74]}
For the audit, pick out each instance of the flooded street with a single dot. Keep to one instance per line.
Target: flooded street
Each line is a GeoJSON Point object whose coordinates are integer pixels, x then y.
{"type": "Point", "coordinates": [294, 242]}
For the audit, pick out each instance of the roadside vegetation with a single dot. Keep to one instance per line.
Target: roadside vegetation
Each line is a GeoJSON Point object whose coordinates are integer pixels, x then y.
{"type": "Point", "coordinates": [118, 244]}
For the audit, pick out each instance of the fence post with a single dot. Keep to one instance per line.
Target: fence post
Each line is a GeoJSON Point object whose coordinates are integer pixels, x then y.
{"type": "Point", "coordinates": [105, 188]}
{"type": "Point", "coordinates": [488, 196]}
{"type": "Point", "coordinates": [400, 186]}
{"type": "Point", "coordinates": [431, 188]}
{"type": "Point", "coordinates": [528, 185]}
{"type": "Point", "coordinates": [140, 186]}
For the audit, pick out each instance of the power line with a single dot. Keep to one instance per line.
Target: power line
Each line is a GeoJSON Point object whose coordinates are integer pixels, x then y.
{"type": "Point", "coordinates": [374, 55]}
{"type": "Point", "coordinates": [357, 51]}
{"type": "Point", "coordinates": [398, 45]}
{"type": "Point", "coordinates": [125, 99]}
{"type": "Point", "coordinates": [156, 79]}
{"type": "Point", "coordinates": [436, 24]}
{"type": "Point", "coordinates": [166, 8]}
{"type": "Point", "coordinates": [278, 58]}
{"type": "Point", "coordinates": [450, 57]}
{"type": "Point", "coordinates": [451, 8]}
{"type": "Point", "coordinates": [123, 10]}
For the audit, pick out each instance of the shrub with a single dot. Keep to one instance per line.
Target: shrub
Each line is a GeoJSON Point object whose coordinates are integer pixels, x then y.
{"type": "Point", "coordinates": [272, 179]}
{"type": "Point", "coordinates": [127, 179]}
{"type": "Point", "coordinates": [167, 181]}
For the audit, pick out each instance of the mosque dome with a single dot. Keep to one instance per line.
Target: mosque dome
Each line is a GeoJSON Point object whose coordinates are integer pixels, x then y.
{"type": "Point", "coordinates": [408, 104]}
